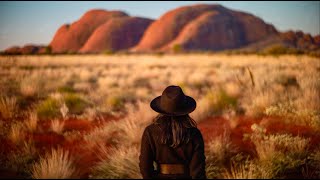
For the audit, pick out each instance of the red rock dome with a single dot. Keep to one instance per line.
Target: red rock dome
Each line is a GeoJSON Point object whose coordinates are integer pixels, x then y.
{"type": "Point", "coordinates": [70, 38]}
{"type": "Point", "coordinates": [205, 27]}
{"type": "Point", "coordinates": [116, 34]}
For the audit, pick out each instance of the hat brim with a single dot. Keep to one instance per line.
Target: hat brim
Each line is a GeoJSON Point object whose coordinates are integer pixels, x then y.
{"type": "Point", "coordinates": [188, 107]}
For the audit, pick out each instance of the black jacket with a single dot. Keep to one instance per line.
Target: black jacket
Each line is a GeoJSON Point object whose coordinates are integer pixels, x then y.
{"type": "Point", "coordinates": [190, 154]}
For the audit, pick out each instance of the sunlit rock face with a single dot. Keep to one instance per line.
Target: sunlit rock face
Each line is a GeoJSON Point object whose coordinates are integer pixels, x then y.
{"type": "Point", "coordinates": [204, 27]}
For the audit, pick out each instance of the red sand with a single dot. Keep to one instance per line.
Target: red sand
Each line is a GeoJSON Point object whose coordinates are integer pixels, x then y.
{"type": "Point", "coordinates": [78, 124]}
{"type": "Point", "coordinates": [215, 126]}
{"type": "Point", "coordinates": [211, 128]}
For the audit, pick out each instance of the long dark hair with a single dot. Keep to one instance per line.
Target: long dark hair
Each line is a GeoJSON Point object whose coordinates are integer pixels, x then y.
{"type": "Point", "coordinates": [175, 130]}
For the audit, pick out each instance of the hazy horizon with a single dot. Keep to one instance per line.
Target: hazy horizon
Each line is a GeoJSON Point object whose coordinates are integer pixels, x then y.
{"type": "Point", "coordinates": [37, 22]}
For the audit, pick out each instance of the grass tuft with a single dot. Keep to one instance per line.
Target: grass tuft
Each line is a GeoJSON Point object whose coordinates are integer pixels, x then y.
{"type": "Point", "coordinates": [55, 165]}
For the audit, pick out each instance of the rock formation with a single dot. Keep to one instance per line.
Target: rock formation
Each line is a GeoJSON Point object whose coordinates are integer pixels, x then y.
{"type": "Point", "coordinates": [116, 34]}
{"type": "Point", "coordinates": [70, 38]}
{"type": "Point", "coordinates": [204, 27]}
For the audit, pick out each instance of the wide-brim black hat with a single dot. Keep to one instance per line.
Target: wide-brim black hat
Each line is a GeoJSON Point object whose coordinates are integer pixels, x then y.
{"type": "Point", "coordinates": [173, 102]}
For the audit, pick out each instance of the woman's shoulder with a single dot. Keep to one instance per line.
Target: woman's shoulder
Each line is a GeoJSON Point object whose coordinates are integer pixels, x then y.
{"type": "Point", "coordinates": [195, 131]}
{"type": "Point", "coordinates": [152, 127]}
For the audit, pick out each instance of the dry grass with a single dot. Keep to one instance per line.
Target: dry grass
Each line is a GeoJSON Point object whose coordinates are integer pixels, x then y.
{"type": "Point", "coordinates": [121, 79]}
{"type": "Point", "coordinates": [30, 86]}
{"type": "Point", "coordinates": [241, 171]}
{"type": "Point", "coordinates": [32, 122]}
{"type": "Point", "coordinates": [130, 128]}
{"type": "Point", "coordinates": [221, 148]}
{"type": "Point", "coordinates": [16, 134]}
{"type": "Point", "coordinates": [292, 115]}
{"type": "Point", "coordinates": [8, 106]}
{"type": "Point", "coordinates": [57, 126]}
{"type": "Point", "coordinates": [260, 102]}
{"type": "Point", "coordinates": [218, 151]}
{"type": "Point", "coordinates": [123, 86]}
{"type": "Point", "coordinates": [100, 134]}
{"type": "Point", "coordinates": [21, 160]}
{"type": "Point", "coordinates": [118, 162]}
{"type": "Point", "coordinates": [56, 165]}
{"type": "Point", "coordinates": [127, 131]}
{"type": "Point", "coordinates": [248, 169]}
{"type": "Point", "coordinates": [268, 146]}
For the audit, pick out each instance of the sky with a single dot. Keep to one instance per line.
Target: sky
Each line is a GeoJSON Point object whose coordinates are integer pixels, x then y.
{"type": "Point", "coordinates": [35, 22]}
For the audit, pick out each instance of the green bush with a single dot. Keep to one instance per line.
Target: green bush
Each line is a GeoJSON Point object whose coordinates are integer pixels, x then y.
{"type": "Point", "coordinates": [315, 53]}
{"type": "Point", "coordinates": [279, 49]}
{"type": "Point", "coordinates": [287, 80]}
{"type": "Point", "coordinates": [115, 103]}
{"type": "Point", "coordinates": [48, 109]}
{"type": "Point", "coordinates": [177, 48]}
{"type": "Point", "coordinates": [75, 104]}
{"type": "Point", "coordinates": [71, 52]}
{"type": "Point", "coordinates": [108, 52]}
{"type": "Point", "coordinates": [294, 51]}
{"type": "Point", "coordinates": [215, 102]}
{"type": "Point", "coordinates": [220, 100]}
{"type": "Point", "coordinates": [159, 54]}
{"type": "Point", "coordinates": [66, 89]}
{"type": "Point", "coordinates": [48, 50]}
{"type": "Point", "coordinates": [276, 50]}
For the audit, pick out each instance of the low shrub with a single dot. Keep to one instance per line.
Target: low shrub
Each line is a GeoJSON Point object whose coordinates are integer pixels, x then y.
{"type": "Point", "coordinates": [177, 48]}
{"type": "Point", "coordinates": [287, 80]}
{"type": "Point", "coordinates": [291, 115]}
{"type": "Point", "coordinates": [75, 103]}
{"type": "Point", "coordinates": [108, 52]}
{"type": "Point", "coordinates": [48, 50]}
{"type": "Point", "coordinates": [66, 89]}
{"type": "Point", "coordinates": [114, 103]}
{"type": "Point", "coordinates": [48, 109]}
{"type": "Point", "coordinates": [281, 155]}
{"type": "Point", "coordinates": [214, 103]}
{"type": "Point", "coordinates": [219, 101]}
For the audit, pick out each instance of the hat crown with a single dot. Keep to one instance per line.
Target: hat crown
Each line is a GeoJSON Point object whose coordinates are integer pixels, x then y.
{"type": "Point", "coordinates": [173, 102]}
{"type": "Point", "coordinates": [172, 91]}
{"type": "Point", "coordinates": [172, 98]}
